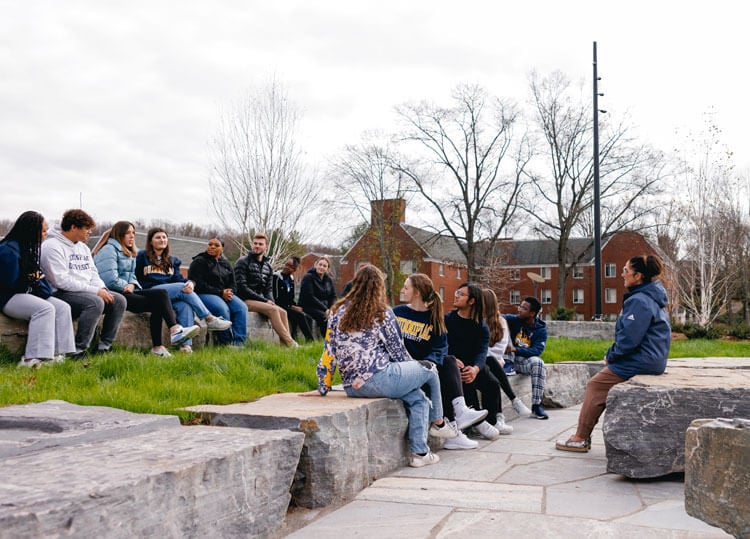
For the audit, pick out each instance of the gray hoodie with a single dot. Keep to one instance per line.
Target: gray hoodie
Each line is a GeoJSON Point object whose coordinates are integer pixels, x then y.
{"type": "Point", "coordinates": [69, 266]}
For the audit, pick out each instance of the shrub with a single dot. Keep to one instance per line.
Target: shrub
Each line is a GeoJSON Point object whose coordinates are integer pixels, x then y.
{"type": "Point", "coordinates": [694, 331]}
{"type": "Point", "coordinates": [561, 313]}
{"type": "Point", "coordinates": [740, 330]}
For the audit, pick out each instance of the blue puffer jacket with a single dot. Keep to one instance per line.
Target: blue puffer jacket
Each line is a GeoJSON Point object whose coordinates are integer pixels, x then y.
{"type": "Point", "coordinates": [642, 333]}
{"type": "Point", "coordinates": [115, 269]}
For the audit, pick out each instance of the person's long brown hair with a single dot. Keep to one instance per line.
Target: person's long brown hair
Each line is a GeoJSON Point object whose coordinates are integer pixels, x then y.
{"type": "Point", "coordinates": [367, 302]}
{"type": "Point", "coordinates": [118, 231]}
{"type": "Point", "coordinates": [492, 316]}
{"type": "Point", "coordinates": [422, 284]}
{"type": "Point", "coordinates": [165, 264]}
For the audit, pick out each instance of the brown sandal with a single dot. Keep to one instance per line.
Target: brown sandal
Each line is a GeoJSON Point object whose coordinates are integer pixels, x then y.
{"type": "Point", "coordinates": [577, 447]}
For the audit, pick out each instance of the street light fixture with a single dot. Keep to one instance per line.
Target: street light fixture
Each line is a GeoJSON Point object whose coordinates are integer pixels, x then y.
{"type": "Point", "coordinates": [597, 211]}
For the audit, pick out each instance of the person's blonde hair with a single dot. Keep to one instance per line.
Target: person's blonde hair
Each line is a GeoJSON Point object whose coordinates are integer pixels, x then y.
{"type": "Point", "coordinates": [366, 301]}
{"type": "Point", "coordinates": [492, 316]}
{"type": "Point", "coordinates": [422, 284]}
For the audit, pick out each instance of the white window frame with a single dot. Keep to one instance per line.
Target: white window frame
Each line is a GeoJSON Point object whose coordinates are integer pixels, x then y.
{"type": "Point", "coordinates": [442, 293]}
{"type": "Point", "coordinates": [578, 297]}
{"type": "Point", "coordinates": [458, 272]}
{"type": "Point", "coordinates": [515, 297]}
{"type": "Point", "coordinates": [546, 273]}
{"type": "Point", "coordinates": [610, 274]}
{"type": "Point", "coordinates": [441, 269]}
{"type": "Point", "coordinates": [407, 267]}
{"type": "Point", "coordinates": [610, 295]}
{"type": "Point", "coordinates": [546, 296]}
{"type": "Point", "coordinates": [577, 272]}
{"type": "Point", "coordinates": [515, 274]}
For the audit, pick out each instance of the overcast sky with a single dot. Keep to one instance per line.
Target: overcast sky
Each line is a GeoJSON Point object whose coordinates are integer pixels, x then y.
{"type": "Point", "coordinates": [114, 103]}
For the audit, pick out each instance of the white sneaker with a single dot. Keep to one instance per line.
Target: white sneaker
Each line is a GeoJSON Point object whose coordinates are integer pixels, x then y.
{"type": "Point", "coordinates": [460, 442]}
{"type": "Point", "coordinates": [217, 323]}
{"type": "Point", "coordinates": [501, 427]}
{"type": "Point", "coordinates": [446, 430]}
{"type": "Point", "coordinates": [466, 417]}
{"type": "Point", "coordinates": [32, 362]}
{"type": "Point", "coordinates": [417, 461]}
{"type": "Point", "coordinates": [183, 334]}
{"type": "Point", "coordinates": [487, 431]}
{"type": "Point", "coordinates": [186, 349]}
{"type": "Point", "coordinates": [161, 352]}
{"type": "Point", "coordinates": [520, 408]}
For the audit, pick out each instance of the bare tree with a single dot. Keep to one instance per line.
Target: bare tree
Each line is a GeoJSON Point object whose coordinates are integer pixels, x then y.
{"type": "Point", "coordinates": [563, 202]}
{"type": "Point", "coordinates": [470, 166]}
{"type": "Point", "coordinates": [362, 175]}
{"type": "Point", "coordinates": [258, 179]}
{"type": "Point", "coordinates": [711, 220]}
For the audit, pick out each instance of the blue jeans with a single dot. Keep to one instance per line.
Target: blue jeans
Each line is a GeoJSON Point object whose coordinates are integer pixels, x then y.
{"type": "Point", "coordinates": [186, 305]}
{"type": "Point", "coordinates": [234, 310]}
{"type": "Point", "coordinates": [403, 381]}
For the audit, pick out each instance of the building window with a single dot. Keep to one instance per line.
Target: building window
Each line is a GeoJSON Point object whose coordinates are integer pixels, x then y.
{"type": "Point", "coordinates": [515, 297]}
{"type": "Point", "coordinates": [515, 274]}
{"type": "Point", "coordinates": [546, 296]}
{"type": "Point", "coordinates": [408, 267]}
{"type": "Point", "coordinates": [577, 272]}
{"type": "Point", "coordinates": [610, 295]}
{"type": "Point", "coordinates": [610, 270]}
{"type": "Point", "coordinates": [578, 295]}
{"type": "Point", "coordinates": [442, 293]}
{"type": "Point", "coordinates": [546, 273]}
{"type": "Point", "coordinates": [458, 272]}
{"type": "Point", "coordinates": [441, 269]}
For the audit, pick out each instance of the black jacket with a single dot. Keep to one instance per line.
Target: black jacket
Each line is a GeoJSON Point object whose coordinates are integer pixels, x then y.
{"type": "Point", "coordinates": [211, 276]}
{"type": "Point", "coordinates": [254, 278]}
{"type": "Point", "coordinates": [315, 293]}
{"type": "Point", "coordinates": [281, 295]}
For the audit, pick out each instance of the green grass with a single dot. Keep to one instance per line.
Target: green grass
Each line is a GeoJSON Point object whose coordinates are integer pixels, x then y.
{"type": "Point", "coordinates": [564, 349]}
{"type": "Point", "coordinates": [139, 382]}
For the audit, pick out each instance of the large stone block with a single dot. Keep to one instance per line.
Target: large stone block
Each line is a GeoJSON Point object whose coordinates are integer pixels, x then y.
{"type": "Point", "coordinates": [646, 418]}
{"type": "Point", "coordinates": [717, 473]}
{"type": "Point", "coordinates": [13, 334]}
{"type": "Point", "coordinates": [97, 472]}
{"type": "Point", "coordinates": [566, 382]}
{"type": "Point", "coordinates": [348, 442]}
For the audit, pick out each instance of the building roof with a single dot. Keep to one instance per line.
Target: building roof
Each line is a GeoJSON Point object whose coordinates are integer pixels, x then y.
{"type": "Point", "coordinates": [437, 246]}
{"type": "Point", "coordinates": [544, 251]}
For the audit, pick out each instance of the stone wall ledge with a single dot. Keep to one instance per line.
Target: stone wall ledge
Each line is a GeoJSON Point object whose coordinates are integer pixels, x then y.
{"type": "Point", "coordinates": [97, 472]}
{"type": "Point", "coordinates": [647, 417]}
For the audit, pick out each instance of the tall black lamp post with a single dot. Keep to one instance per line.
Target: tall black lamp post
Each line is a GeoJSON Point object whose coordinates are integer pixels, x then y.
{"type": "Point", "coordinates": [597, 212]}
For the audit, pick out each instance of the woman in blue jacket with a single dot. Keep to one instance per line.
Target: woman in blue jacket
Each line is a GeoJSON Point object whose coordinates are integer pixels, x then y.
{"type": "Point", "coordinates": [642, 339]}
{"type": "Point", "coordinates": [114, 256]}
{"type": "Point", "coordinates": [156, 268]}
{"type": "Point", "coordinates": [26, 294]}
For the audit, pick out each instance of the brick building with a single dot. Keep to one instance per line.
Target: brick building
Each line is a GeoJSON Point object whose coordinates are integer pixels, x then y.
{"type": "Point", "coordinates": [438, 256]}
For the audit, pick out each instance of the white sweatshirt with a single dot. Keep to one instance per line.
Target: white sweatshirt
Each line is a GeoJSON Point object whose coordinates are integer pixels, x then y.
{"type": "Point", "coordinates": [69, 266]}
{"type": "Point", "coordinates": [497, 350]}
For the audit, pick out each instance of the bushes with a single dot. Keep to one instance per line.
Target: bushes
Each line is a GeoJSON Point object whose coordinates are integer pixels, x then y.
{"type": "Point", "coordinates": [561, 313]}
{"type": "Point", "coordinates": [714, 331]}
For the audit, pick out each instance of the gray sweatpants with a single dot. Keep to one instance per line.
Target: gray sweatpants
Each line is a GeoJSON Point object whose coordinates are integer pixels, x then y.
{"type": "Point", "coordinates": [87, 308]}
{"type": "Point", "coordinates": [50, 325]}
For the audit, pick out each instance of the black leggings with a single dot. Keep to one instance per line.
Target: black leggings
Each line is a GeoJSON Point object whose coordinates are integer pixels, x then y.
{"type": "Point", "coordinates": [154, 301]}
{"type": "Point", "coordinates": [490, 388]}
{"type": "Point", "coordinates": [502, 378]}
{"type": "Point", "coordinates": [450, 385]}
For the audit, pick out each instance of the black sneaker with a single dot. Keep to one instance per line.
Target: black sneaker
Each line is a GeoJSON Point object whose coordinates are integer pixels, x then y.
{"type": "Point", "coordinates": [538, 412]}
{"type": "Point", "coordinates": [75, 356]}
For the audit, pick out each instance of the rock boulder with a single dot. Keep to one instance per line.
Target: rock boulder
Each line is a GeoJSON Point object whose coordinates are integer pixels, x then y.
{"type": "Point", "coordinates": [717, 473]}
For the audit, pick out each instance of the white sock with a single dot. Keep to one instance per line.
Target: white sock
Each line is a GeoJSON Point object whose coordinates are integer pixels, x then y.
{"type": "Point", "coordinates": [459, 403]}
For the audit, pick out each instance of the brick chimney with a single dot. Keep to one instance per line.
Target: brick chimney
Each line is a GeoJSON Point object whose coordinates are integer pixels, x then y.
{"type": "Point", "coordinates": [392, 210]}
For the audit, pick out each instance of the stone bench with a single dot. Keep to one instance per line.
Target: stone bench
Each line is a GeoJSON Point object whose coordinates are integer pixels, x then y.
{"type": "Point", "coordinates": [646, 418]}
{"type": "Point", "coordinates": [134, 332]}
{"type": "Point", "coordinates": [85, 471]}
{"type": "Point", "coordinates": [717, 473]}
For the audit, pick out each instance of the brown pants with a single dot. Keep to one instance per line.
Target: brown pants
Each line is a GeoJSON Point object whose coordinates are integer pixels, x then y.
{"type": "Point", "coordinates": [595, 400]}
{"type": "Point", "coordinates": [277, 315]}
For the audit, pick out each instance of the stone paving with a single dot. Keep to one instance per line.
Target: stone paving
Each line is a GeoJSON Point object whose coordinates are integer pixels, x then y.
{"type": "Point", "coordinates": [517, 485]}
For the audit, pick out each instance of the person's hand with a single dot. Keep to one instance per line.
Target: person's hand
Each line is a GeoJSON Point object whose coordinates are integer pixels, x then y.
{"type": "Point", "coordinates": [328, 312]}
{"type": "Point", "coordinates": [469, 373]}
{"type": "Point", "coordinates": [510, 348]}
{"type": "Point", "coordinates": [189, 287]}
{"type": "Point", "coordinates": [270, 302]}
{"type": "Point", "coordinates": [296, 308]}
{"type": "Point", "coordinates": [227, 294]}
{"type": "Point", "coordinates": [459, 364]}
{"type": "Point", "coordinates": [106, 295]}
{"type": "Point", "coordinates": [129, 288]}
{"type": "Point", "coordinates": [605, 359]}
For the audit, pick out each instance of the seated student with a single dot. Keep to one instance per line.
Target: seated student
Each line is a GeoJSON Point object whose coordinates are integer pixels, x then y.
{"type": "Point", "coordinates": [114, 256]}
{"type": "Point", "coordinates": [365, 342]}
{"type": "Point", "coordinates": [25, 294]}
{"type": "Point", "coordinates": [499, 339]}
{"type": "Point", "coordinates": [528, 337]}
{"type": "Point", "coordinates": [156, 268]}
{"type": "Point", "coordinates": [213, 276]}
{"type": "Point", "coordinates": [69, 266]}
{"type": "Point", "coordinates": [254, 276]}
{"type": "Point", "coordinates": [317, 293]}
{"type": "Point", "coordinates": [283, 295]}
{"type": "Point", "coordinates": [423, 328]}
{"type": "Point", "coordinates": [468, 340]}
